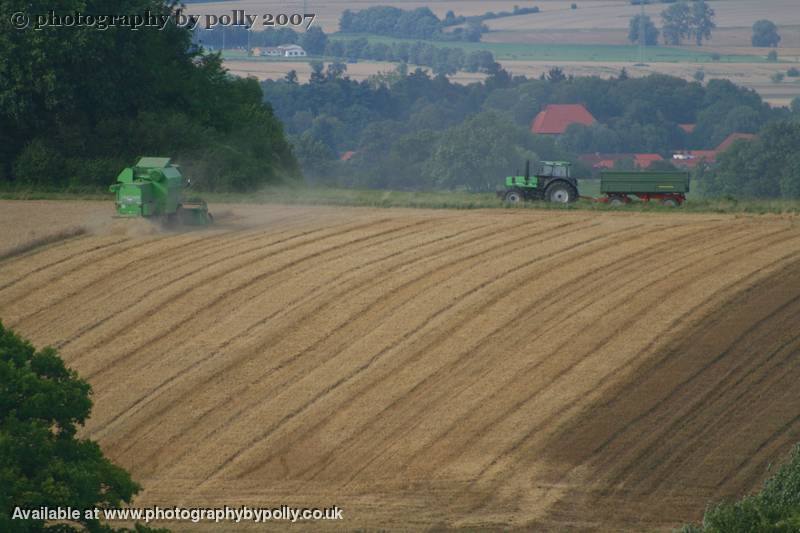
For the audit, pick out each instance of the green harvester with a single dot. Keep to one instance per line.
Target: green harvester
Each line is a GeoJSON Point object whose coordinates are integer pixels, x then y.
{"type": "Point", "coordinates": [153, 188]}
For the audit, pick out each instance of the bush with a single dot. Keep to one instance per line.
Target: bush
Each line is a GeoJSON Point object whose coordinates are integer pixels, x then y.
{"type": "Point", "coordinates": [775, 508]}
{"type": "Point", "coordinates": [573, 6]}
{"type": "Point", "coordinates": [777, 77]}
{"type": "Point", "coordinates": [39, 164]}
{"type": "Point", "coordinates": [699, 75]}
{"type": "Point", "coordinates": [715, 56]}
{"type": "Point", "coordinates": [42, 460]}
{"type": "Point", "coordinates": [793, 72]}
{"type": "Point", "coordinates": [772, 55]}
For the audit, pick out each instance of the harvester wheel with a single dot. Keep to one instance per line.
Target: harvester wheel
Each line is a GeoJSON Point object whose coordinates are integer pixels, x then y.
{"type": "Point", "coordinates": [513, 197]}
{"type": "Point", "coordinates": [670, 202]}
{"type": "Point", "coordinates": [561, 193]}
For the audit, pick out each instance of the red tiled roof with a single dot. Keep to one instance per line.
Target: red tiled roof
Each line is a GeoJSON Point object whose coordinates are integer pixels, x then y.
{"type": "Point", "coordinates": [688, 128]}
{"type": "Point", "coordinates": [347, 156]}
{"type": "Point", "coordinates": [645, 160]}
{"type": "Point", "coordinates": [732, 138]}
{"type": "Point", "coordinates": [555, 118]}
{"type": "Point", "coordinates": [608, 160]}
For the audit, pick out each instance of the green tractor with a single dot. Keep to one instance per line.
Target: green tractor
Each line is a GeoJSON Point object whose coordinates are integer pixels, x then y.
{"type": "Point", "coordinates": [153, 188]}
{"type": "Point", "coordinates": [552, 182]}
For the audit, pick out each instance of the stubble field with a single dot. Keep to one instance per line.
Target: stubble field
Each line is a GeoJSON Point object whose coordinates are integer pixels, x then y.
{"type": "Point", "coordinates": [423, 368]}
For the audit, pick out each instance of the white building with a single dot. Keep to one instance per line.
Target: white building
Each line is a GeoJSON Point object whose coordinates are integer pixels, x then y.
{"type": "Point", "coordinates": [292, 50]}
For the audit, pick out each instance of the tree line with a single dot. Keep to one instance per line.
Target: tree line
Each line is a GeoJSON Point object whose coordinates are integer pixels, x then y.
{"type": "Point", "coordinates": [681, 20]}
{"type": "Point", "coordinates": [413, 130]}
{"type": "Point", "coordinates": [420, 23]}
{"type": "Point", "coordinates": [79, 105]}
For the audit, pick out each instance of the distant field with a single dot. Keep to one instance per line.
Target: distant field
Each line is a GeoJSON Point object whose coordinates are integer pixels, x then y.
{"type": "Point", "coordinates": [590, 40]}
{"type": "Point", "coordinates": [752, 75]}
{"type": "Point", "coordinates": [583, 52]}
{"type": "Point", "coordinates": [593, 17]}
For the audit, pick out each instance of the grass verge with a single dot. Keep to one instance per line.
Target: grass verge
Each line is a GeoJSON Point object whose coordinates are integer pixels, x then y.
{"type": "Point", "coordinates": [434, 200]}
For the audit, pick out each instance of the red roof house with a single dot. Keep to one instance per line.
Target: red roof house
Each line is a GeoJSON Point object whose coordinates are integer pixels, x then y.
{"type": "Point", "coordinates": [599, 161]}
{"type": "Point", "coordinates": [688, 128]}
{"type": "Point", "coordinates": [694, 157]}
{"type": "Point", "coordinates": [732, 138]}
{"type": "Point", "coordinates": [554, 118]}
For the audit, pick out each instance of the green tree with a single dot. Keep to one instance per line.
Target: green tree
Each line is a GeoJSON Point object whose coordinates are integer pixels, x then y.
{"type": "Point", "coordinates": [314, 41]}
{"type": "Point", "coordinates": [776, 508]}
{"type": "Point", "coordinates": [42, 461]}
{"type": "Point", "coordinates": [650, 30]}
{"type": "Point", "coordinates": [763, 168]}
{"type": "Point", "coordinates": [676, 23]}
{"type": "Point", "coordinates": [795, 106]}
{"type": "Point", "coordinates": [699, 75]}
{"type": "Point", "coordinates": [765, 33]}
{"type": "Point", "coordinates": [701, 21]}
{"type": "Point", "coordinates": [64, 90]}
{"type": "Point", "coordinates": [478, 150]}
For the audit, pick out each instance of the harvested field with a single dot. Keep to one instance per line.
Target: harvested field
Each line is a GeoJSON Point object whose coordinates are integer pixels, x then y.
{"type": "Point", "coordinates": [423, 368]}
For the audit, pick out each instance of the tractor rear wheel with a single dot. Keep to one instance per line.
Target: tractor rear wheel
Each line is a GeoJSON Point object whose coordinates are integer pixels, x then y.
{"type": "Point", "coordinates": [561, 193]}
{"type": "Point", "coordinates": [512, 197]}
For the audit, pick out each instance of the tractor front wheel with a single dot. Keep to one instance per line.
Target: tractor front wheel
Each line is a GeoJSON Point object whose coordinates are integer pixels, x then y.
{"type": "Point", "coordinates": [561, 193]}
{"type": "Point", "coordinates": [513, 197]}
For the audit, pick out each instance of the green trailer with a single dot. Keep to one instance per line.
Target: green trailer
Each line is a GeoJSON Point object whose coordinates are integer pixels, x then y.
{"type": "Point", "coordinates": [153, 188]}
{"type": "Point", "coordinates": [666, 187]}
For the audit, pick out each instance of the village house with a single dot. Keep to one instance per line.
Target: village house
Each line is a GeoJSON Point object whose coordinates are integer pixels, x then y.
{"type": "Point", "coordinates": [554, 119]}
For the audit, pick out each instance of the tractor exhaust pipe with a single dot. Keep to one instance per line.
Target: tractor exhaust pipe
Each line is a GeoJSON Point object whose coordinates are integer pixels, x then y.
{"type": "Point", "coordinates": [527, 169]}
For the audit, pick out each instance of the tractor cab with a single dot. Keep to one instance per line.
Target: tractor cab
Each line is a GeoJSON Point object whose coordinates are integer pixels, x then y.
{"type": "Point", "coordinates": [553, 169]}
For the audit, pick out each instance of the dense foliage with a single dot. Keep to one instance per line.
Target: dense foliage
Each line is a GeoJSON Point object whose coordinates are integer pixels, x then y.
{"type": "Point", "coordinates": [411, 130]}
{"type": "Point", "coordinates": [443, 60]}
{"type": "Point", "coordinates": [765, 33]}
{"type": "Point", "coordinates": [420, 23]}
{"type": "Point", "coordinates": [687, 21]}
{"type": "Point", "coordinates": [650, 30]}
{"type": "Point", "coordinates": [78, 104]}
{"type": "Point", "coordinates": [775, 509]}
{"type": "Point", "coordinates": [42, 462]}
{"type": "Point", "coordinates": [767, 167]}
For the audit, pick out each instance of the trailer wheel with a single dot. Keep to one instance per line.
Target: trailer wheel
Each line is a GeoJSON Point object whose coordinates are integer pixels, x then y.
{"type": "Point", "coordinates": [512, 197]}
{"type": "Point", "coordinates": [617, 201]}
{"type": "Point", "coordinates": [670, 202]}
{"type": "Point", "coordinates": [561, 193]}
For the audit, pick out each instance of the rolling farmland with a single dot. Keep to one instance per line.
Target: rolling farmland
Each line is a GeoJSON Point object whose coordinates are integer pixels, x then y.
{"type": "Point", "coordinates": [422, 368]}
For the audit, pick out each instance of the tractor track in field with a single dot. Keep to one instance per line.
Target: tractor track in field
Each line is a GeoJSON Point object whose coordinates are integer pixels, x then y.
{"type": "Point", "coordinates": [484, 369]}
{"type": "Point", "coordinates": [553, 417]}
{"type": "Point", "coordinates": [407, 284]}
{"type": "Point", "coordinates": [317, 291]}
{"type": "Point", "coordinates": [249, 330]}
{"type": "Point", "coordinates": [375, 357]}
{"type": "Point", "coordinates": [543, 304]}
{"type": "Point", "coordinates": [172, 298]}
